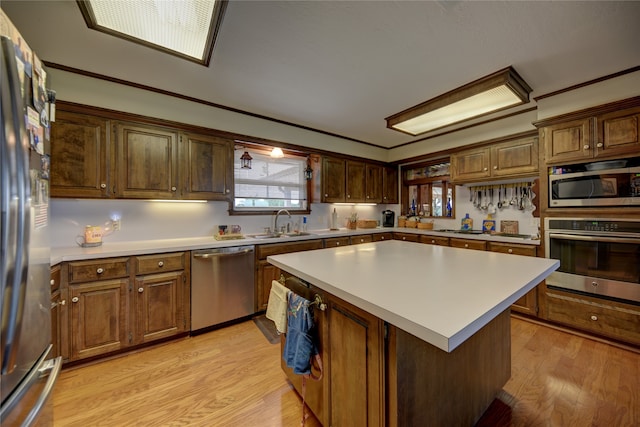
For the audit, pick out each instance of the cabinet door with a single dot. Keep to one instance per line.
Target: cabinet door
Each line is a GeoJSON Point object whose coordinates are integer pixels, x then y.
{"type": "Point", "coordinates": [147, 164]}
{"type": "Point", "coordinates": [618, 133]}
{"type": "Point", "coordinates": [334, 180]}
{"type": "Point", "coordinates": [470, 165]}
{"type": "Point", "coordinates": [356, 182]}
{"type": "Point", "coordinates": [98, 318]}
{"type": "Point", "coordinates": [514, 158]}
{"type": "Point", "coordinates": [356, 366]}
{"type": "Point", "coordinates": [434, 240]}
{"type": "Point", "coordinates": [80, 156]}
{"type": "Point", "coordinates": [373, 183]}
{"type": "Point", "coordinates": [159, 306]}
{"type": "Point", "coordinates": [207, 167]}
{"type": "Point", "coordinates": [527, 304]}
{"type": "Point", "coordinates": [266, 274]}
{"type": "Point", "coordinates": [390, 185]}
{"type": "Point", "coordinates": [570, 141]}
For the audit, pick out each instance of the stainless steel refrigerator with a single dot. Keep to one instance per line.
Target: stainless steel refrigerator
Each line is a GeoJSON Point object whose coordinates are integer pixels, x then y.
{"type": "Point", "coordinates": [28, 372]}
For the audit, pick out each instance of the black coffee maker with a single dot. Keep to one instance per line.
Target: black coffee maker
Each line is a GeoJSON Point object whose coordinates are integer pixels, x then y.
{"type": "Point", "coordinates": [388, 218]}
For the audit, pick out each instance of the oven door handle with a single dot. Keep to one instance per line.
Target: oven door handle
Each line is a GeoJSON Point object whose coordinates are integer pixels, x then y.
{"type": "Point", "coordinates": [594, 238]}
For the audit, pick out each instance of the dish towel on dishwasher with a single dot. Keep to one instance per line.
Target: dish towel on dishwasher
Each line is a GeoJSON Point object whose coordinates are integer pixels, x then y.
{"type": "Point", "coordinates": [277, 306]}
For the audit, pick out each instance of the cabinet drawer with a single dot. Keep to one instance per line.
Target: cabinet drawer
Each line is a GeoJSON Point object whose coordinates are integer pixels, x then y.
{"type": "Point", "coordinates": [158, 263]}
{"type": "Point", "coordinates": [382, 236]}
{"type": "Point", "coordinates": [89, 271]}
{"type": "Point", "coordinates": [614, 320]}
{"type": "Point", "coordinates": [263, 251]}
{"type": "Point", "coordinates": [434, 240]}
{"type": "Point", "coordinates": [407, 237]}
{"type": "Point", "coordinates": [515, 249]}
{"type": "Point", "coordinates": [334, 242]}
{"type": "Point", "coordinates": [355, 240]}
{"type": "Point", "coordinates": [468, 244]}
{"type": "Point", "coordinates": [55, 278]}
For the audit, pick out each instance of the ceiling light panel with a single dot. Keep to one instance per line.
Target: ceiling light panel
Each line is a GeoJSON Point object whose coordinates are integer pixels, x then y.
{"type": "Point", "coordinates": [182, 26]}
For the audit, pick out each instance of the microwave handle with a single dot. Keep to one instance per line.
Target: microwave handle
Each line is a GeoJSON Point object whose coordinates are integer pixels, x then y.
{"type": "Point", "coordinates": [594, 238]}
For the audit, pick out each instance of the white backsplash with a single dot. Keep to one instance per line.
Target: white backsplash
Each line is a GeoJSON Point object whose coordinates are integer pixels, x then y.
{"type": "Point", "coordinates": [146, 220]}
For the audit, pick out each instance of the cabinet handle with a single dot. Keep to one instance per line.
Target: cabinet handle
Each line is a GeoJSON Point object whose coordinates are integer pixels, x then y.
{"type": "Point", "coordinates": [75, 299]}
{"type": "Point", "coordinates": [228, 191]}
{"type": "Point", "coordinates": [160, 264]}
{"type": "Point", "coordinates": [510, 251]}
{"type": "Point", "coordinates": [361, 240]}
{"type": "Point", "coordinates": [103, 185]}
{"type": "Point", "coordinates": [599, 145]}
{"type": "Point", "coordinates": [326, 195]}
{"type": "Point", "coordinates": [382, 238]}
{"type": "Point", "coordinates": [485, 169]}
{"type": "Point", "coordinates": [433, 241]}
{"type": "Point", "coordinates": [100, 270]}
{"type": "Point", "coordinates": [140, 290]}
{"type": "Point", "coordinates": [173, 188]}
{"type": "Point", "coordinates": [348, 196]}
{"type": "Point", "coordinates": [466, 245]}
{"type": "Point", "coordinates": [495, 168]}
{"type": "Point", "coordinates": [404, 238]}
{"type": "Point", "coordinates": [337, 243]}
{"type": "Point", "coordinates": [594, 317]}
{"type": "Point", "coordinates": [586, 147]}
{"type": "Point", "coordinates": [53, 282]}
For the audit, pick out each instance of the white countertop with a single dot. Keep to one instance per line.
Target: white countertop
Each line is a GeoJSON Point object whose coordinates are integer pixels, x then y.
{"type": "Point", "coordinates": [440, 294]}
{"type": "Point", "coordinates": [115, 249]}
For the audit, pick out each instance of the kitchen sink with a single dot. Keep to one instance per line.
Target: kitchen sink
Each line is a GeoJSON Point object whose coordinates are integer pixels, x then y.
{"type": "Point", "coordinates": [276, 235]}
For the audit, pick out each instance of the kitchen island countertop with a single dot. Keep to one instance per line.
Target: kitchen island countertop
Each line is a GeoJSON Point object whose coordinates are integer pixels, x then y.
{"type": "Point", "coordinates": [442, 295]}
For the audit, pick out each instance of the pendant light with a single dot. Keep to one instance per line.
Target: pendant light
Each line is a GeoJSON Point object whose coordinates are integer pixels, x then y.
{"type": "Point", "coordinates": [245, 160]}
{"type": "Point", "coordinates": [308, 172]}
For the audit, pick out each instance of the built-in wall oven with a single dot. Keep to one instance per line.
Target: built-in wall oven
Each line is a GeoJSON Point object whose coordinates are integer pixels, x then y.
{"type": "Point", "coordinates": [597, 256]}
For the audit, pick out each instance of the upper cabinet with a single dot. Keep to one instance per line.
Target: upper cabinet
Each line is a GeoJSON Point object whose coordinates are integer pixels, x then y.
{"type": "Point", "coordinates": [354, 181]}
{"type": "Point", "coordinates": [95, 155]}
{"type": "Point", "coordinates": [613, 133]}
{"type": "Point", "coordinates": [81, 156]}
{"type": "Point", "coordinates": [509, 159]}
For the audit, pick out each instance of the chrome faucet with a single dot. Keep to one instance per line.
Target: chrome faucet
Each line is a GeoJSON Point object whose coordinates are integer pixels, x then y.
{"type": "Point", "coordinates": [275, 221]}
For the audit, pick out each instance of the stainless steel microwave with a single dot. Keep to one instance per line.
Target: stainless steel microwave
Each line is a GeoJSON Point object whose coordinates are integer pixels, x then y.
{"type": "Point", "coordinates": [608, 187]}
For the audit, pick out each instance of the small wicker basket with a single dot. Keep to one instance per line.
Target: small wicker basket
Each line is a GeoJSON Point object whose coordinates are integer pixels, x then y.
{"type": "Point", "coordinates": [425, 225]}
{"type": "Point", "coordinates": [402, 222]}
{"type": "Point", "coordinates": [411, 224]}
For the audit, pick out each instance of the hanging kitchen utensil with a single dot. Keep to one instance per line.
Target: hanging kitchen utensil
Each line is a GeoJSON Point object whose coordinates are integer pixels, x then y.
{"type": "Point", "coordinates": [491, 208]}
{"type": "Point", "coordinates": [513, 195]}
{"type": "Point", "coordinates": [500, 197]}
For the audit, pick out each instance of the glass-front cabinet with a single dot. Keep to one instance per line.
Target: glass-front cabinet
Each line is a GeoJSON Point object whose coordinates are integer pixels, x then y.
{"type": "Point", "coordinates": [427, 191]}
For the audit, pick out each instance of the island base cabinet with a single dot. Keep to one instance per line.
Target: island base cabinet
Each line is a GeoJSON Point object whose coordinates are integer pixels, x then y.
{"type": "Point", "coordinates": [428, 385]}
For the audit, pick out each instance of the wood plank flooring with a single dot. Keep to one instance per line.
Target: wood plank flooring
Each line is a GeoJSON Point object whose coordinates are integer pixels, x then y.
{"type": "Point", "coordinates": [232, 377]}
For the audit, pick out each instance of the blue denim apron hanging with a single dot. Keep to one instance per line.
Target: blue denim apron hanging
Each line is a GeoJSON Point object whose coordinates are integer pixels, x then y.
{"type": "Point", "coordinates": [299, 346]}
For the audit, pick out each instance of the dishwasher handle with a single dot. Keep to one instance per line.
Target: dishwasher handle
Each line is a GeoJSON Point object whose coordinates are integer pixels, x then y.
{"type": "Point", "coordinates": [219, 254]}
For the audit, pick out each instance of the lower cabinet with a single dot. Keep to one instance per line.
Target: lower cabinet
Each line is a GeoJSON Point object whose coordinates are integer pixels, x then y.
{"type": "Point", "coordinates": [609, 319]}
{"type": "Point", "coordinates": [352, 389]}
{"type": "Point", "coordinates": [116, 303]}
{"type": "Point", "coordinates": [528, 304]}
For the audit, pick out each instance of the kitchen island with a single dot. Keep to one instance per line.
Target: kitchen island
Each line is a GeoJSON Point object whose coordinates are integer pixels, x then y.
{"type": "Point", "coordinates": [413, 334]}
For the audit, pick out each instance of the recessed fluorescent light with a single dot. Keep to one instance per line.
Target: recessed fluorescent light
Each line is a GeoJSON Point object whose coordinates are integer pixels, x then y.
{"type": "Point", "coordinates": [186, 28]}
{"type": "Point", "coordinates": [498, 91]}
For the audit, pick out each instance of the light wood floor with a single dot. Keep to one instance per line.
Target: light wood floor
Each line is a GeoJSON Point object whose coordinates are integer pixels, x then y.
{"type": "Point", "coordinates": [232, 377]}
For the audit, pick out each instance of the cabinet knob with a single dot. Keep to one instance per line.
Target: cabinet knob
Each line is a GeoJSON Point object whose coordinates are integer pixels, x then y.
{"type": "Point", "coordinates": [586, 146]}
{"type": "Point", "coordinates": [495, 168]}
{"type": "Point", "coordinates": [326, 195]}
{"type": "Point", "coordinates": [75, 299]}
{"type": "Point", "coordinates": [594, 284]}
{"type": "Point", "coordinates": [337, 243]}
{"type": "Point", "coordinates": [53, 282]}
{"type": "Point", "coordinates": [466, 245]}
{"type": "Point", "coordinates": [361, 240]}
{"type": "Point", "coordinates": [103, 185]}
{"type": "Point", "coordinates": [348, 196]}
{"type": "Point", "coordinates": [594, 317]}
{"type": "Point", "coordinates": [433, 241]}
{"type": "Point", "coordinates": [510, 251]}
{"type": "Point", "coordinates": [404, 238]}
{"type": "Point", "coordinates": [173, 188]}
{"type": "Point", "coordinates": [160, 264]}
{"type": "Point", "coordinates": [382, 238]}
{"type": "Point", "coordinates": [599, 145]}
{"type": "Point", "coordinates": [100, 270]}
{"type": "Point", "coordinates": [228, 191]}
{"type": "Point", "coordinates": [485, 169]}
{"type": "Point", "coordinates": [140, 290]}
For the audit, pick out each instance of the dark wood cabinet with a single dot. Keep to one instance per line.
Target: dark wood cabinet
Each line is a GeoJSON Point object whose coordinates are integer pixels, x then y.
{"type": "Point", "coordinates": [480, 245]}
{"type": "Point", "coordinates": [508, 159]}
{"type": "Point", "coordinates": [58, 303]}
{"type": "Point", "coordinates": [407, 237]}
{"type": "Point", "coordinates": [378, 237]}
{"type": "Point", "coordinates": [434, 240]}
{"type": "Point", "coordinates": [206, 167]}
{"type": "Point", "coordinates": [356, 376]}
{"type": "Point", "coordinates": [528, 304]}
{"type": "Point", "coordinates": [334, 242]}
{"type": "Point", "coordinates": [266, 273]}
{"type": "Point", "coordinates": [390, 185]}
{"type": "Point", "coordinates": [333, 181]}
{"type": "Point", "coordinates": [373, 183]}
{"type": "Point", "coordinates": [613, 133]}
{"type": "Point", "coordinates": [356, 182]}
{"type": "Point", "coordinates": [147, 162]}
{"type": "Point", "coordinates": [362, 238]}
{"type": "Point", "coordinates": [81, 156]}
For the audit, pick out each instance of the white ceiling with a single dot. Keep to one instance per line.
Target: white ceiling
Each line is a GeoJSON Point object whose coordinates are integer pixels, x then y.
{"type": "Point", "coordinates": [343, 66]}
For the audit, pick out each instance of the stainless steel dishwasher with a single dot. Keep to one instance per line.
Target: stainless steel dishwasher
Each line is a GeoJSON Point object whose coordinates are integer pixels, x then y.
{"type": "Point", "coordinates": [222, 285]}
